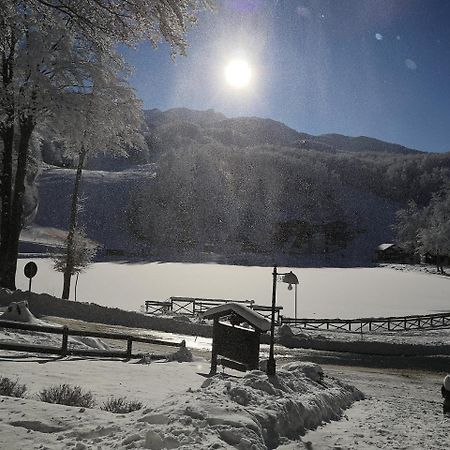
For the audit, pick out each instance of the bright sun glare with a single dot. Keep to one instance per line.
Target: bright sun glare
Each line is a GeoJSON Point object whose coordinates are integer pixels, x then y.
{"type": "Point", "coordinates": [238, 73]}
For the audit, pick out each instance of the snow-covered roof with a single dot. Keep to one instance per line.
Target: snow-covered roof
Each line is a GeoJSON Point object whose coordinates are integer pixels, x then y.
{"type": "Point", "coordinates": [252, 317]}
{"type": "Point", "coordinates": [383, 247]}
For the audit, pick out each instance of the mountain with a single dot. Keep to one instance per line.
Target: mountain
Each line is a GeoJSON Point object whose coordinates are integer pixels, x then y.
{"type": "Point", "coordinates": [155, 117]}
{"type": "Point", "coordinates": [361, 144]}
{"type": "Point", "coordinates": [245, 188]}
{"type": "Point", "coordinates": [248, 131]}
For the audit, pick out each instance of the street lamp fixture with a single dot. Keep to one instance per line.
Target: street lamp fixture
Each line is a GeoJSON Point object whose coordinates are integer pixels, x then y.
{"type": "Point", "coordinates": [291, 279]}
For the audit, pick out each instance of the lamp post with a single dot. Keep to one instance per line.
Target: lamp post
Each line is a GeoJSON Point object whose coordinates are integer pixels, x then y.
{"type": "Point", "coordinates": [291, 279]}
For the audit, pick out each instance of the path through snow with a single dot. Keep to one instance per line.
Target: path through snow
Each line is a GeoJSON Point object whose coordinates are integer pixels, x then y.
{"type": "Point", "coordinates": [403, 411]}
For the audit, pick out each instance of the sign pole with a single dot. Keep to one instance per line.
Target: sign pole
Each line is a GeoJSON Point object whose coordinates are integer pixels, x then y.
{"type": "Point", "coordinates": [30, 270]}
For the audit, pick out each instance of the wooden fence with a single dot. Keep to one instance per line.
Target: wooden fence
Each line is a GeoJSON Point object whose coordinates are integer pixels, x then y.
{"type": "Point", "coordinates": [65, 350]}
{"type": "Point", "coordinates": [193, 306]}
{"type": "Point", "coordinates": [404, 323]}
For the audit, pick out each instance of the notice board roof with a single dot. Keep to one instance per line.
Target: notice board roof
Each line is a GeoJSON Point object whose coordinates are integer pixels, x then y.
{"type": "Point", "coordinates": [253, 318]}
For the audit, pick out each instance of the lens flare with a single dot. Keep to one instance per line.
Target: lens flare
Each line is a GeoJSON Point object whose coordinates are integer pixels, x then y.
{"type": "Point", "coordinates": [238, 73]}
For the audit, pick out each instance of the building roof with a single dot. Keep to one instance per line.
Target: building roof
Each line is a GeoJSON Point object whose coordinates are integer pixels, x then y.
{"type": "Point", "coordinates": [383, 247]}
{"type": "Point", "coordinates": [253, 318]}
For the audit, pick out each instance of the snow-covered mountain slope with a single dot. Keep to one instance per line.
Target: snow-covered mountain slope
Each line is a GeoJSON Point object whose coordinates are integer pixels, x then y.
{"type": "Point", "coordinates": [251, 131]}
{"type": "Point", "coordinates": [104, 202]}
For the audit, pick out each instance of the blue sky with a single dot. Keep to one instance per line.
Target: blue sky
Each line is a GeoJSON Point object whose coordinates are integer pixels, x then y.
{"type": "Point", "coordinates": [378, 68]}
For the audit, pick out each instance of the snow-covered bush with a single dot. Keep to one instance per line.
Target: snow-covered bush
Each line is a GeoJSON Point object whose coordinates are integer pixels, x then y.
{"type": "Point", "coordinates": [11, 388]}
{"type": "Point", "coordinates": [64, 394]}
{"type": "Point", "coordinates": [120, 405]}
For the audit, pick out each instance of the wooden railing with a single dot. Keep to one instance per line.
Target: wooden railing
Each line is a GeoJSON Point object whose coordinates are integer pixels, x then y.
{"type": "Point", "coordinates": [193, 306]}
{"type": "Point", "coordinates": [403, 323]}
{"type": "Point", "coordinates": [65, 350]}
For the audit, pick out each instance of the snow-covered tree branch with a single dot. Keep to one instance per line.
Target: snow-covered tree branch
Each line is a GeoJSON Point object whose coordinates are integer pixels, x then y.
{"type": "Point", "coordinates": [54, 51]}
{"type": "Point", "coordinates": [427, 230]}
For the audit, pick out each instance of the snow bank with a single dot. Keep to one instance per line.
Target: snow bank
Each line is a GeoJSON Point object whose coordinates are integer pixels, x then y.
{"type": "Point", "coordinates": [19, 312]}
{"type": "Point", "coordinates": [381, 344]}
{"type": "Point", "coordinates": [249, 412]}
{"type": "Point", "coordinates": [254, 412]}
{"type": "Point", "coordinates": [47, 305]}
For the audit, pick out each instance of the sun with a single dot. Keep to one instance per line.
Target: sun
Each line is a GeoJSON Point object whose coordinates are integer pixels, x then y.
{"type": "Point", "coordinates": [238, 73]}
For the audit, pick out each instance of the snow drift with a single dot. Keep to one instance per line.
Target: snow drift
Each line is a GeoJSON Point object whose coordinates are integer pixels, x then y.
{"type": "Point", "coordinates": [254, 412]}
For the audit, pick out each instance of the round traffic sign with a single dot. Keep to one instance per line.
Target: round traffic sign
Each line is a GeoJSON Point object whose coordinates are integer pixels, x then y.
{"type": "Point", "coordinates": [30, 269]}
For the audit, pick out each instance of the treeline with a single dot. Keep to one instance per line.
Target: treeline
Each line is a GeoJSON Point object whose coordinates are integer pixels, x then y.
{"type": "Point", "coordinates": [398, 177]}
{"type": "Point", "coordinates": [426, 231]}
{"type": "Point", "coordinates": [217, 196]}
{"type": "Point", "coordinates": [265, 198]}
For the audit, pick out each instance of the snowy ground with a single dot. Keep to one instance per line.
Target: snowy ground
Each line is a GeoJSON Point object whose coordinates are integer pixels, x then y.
{"type": "Point", "coordinates": [403, 408]}
{"type": "Point", "coordinates": [322, 293]}
{"type": "Point", "coordinates": [183, 408]}
{"type": "Point", "coordinates": [403, 411]}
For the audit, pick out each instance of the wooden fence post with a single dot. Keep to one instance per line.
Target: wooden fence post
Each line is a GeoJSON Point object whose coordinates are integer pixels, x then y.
{"type": "Point", "coordinates": [65, 339]}
{"type": "Point", "coordinates": [129, 347]}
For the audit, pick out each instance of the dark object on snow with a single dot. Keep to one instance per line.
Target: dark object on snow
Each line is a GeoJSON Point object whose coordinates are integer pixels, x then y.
{"type": "Point", "coordinates": [445, 391]}
{"type": "Point", "coordinates": [239, 346]}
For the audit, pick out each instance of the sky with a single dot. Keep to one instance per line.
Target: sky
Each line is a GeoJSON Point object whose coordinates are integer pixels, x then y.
{"type": "Point", "coordinates": [378, 68]}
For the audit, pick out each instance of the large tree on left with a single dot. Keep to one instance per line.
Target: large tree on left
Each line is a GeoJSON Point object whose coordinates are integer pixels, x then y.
{"type": "Point", "coordinates": [51, 48]}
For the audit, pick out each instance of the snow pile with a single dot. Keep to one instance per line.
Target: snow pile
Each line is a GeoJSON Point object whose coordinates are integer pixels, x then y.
{"type": "Point", "coordinates": [19, 312]}
{"type": "Point", "coordinates": [253, 412]}
{"type": "Point", "coordinates": [183, 354]}
{"type": "Point", "coordinates": [184, 410]}
{"type": "Point", "coordinates": [87, 342]}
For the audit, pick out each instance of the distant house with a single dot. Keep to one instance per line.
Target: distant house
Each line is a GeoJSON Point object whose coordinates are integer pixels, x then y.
{"type": "Point", "coordinates": [393, 253]}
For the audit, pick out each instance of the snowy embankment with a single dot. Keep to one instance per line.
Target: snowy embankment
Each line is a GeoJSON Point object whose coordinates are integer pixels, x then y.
{"type": "Point", "coordinates": [47, 305]}
{"type": "Point", "coordinates": [368, 344]}
{"type": "Point", "coordinates": [184, 408]}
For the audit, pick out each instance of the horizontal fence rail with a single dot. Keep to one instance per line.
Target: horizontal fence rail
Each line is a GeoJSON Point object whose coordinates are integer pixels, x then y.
{"type": "Point", "coordinates": [194, 306]}
{"type": "Point", "coordinates": [65, 350]}
{"type": "Point", "coordinates": [403, 323]}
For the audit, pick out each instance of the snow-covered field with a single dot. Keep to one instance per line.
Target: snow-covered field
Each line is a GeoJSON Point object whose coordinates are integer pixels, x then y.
{"type": "Point", "coordinates": [185, 409]}
{"type": "Point", "coordinates": [323, 292]}
{"type": "Point", "coordinates": [182, 407]}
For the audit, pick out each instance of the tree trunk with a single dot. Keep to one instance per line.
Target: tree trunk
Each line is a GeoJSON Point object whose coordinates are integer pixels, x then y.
{"type": "Point", "coordinates": [68, 272]}
{"type": "Point", "coordinates": [6, 193]}
{"type": "Point", "coordinates": [7, 136]}
{"type": "Point", "coordinates": [26, 127]}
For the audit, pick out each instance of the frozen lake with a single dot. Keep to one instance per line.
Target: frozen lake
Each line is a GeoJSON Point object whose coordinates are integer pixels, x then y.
{"type": "Point", "coordinates": [323, 292]}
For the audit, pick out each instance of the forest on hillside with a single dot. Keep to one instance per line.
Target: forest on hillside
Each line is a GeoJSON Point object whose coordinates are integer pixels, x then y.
{"type": "Point", "coordinates": [255, 186]}
{"type": "Point", "coordinates": [223, 188]}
